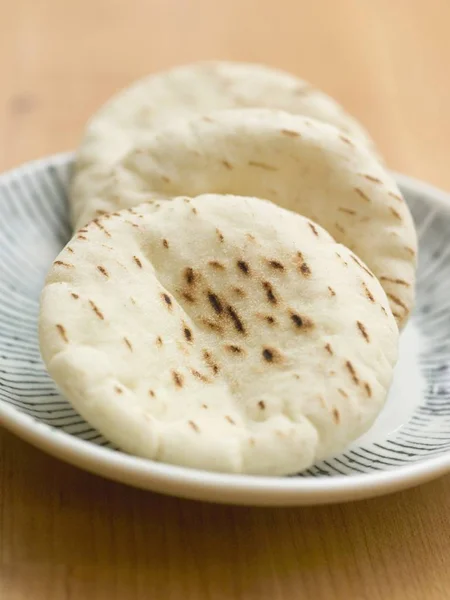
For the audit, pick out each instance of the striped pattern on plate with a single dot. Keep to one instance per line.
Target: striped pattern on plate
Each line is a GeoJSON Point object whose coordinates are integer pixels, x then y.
{"type": "Point", "coordinates": [415, 424]}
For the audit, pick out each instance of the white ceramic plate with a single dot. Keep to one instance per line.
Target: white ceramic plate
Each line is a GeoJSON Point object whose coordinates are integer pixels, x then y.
{"type": "Point", "coordinates": [408, 444]}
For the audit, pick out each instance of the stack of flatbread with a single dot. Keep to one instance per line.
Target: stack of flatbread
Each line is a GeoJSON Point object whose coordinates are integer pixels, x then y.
{"type": "Point", "coordinates": [240, 268]}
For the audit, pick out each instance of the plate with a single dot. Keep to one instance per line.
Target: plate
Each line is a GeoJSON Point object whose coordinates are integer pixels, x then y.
{"type": "Point", "coordinates": [408, 444]}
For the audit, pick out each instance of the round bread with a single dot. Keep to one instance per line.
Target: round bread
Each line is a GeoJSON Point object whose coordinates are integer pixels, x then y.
{"type": "Point", "coordinates": [225, 334]}
{"type": "Point", "coordinates": [301, 164]}
{"type": "Point", "coordinates": [127, 120]}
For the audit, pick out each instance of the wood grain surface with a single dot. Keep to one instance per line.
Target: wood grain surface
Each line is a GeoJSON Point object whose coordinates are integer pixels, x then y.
{"type": "Point", "coordinates": [65, 534]}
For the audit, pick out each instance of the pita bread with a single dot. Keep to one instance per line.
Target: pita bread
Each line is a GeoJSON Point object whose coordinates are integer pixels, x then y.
{"type": "Point", "coordinates": [303, 165]}
{"type": "Point", "coordinates": [127, 120]}
{"type": "Point", "coordinates": [219, 333]}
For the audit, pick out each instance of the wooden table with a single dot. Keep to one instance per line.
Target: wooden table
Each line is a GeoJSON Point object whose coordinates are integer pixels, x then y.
{"type": "Point", "coordinates": [65, 534]}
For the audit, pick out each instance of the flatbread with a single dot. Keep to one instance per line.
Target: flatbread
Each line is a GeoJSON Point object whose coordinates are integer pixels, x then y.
{"type": "Point", "coordinates": [301, 164]}
{"type": "Point", "coordinates": [222, 333]}
{"type": "Point", "coordinates": [133, 114]}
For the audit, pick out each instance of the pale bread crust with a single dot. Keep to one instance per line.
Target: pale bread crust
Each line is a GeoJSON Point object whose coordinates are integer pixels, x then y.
{"type": "Point", "coordinates": [127, 119]}
{"type": "Point", "coordinates": [303, 165]}
{"type": "Point", "coordinates": [220, 333]}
